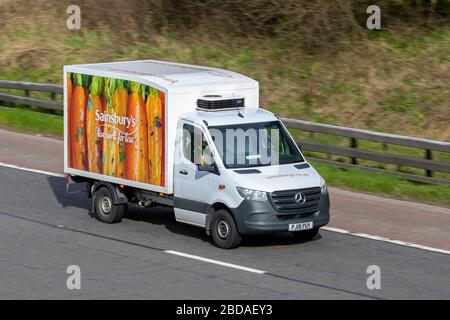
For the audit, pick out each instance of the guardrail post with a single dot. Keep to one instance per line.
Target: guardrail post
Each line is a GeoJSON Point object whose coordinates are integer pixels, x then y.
{"type": "Point", "coordinates": [27, 94]}
{"type": "Point", "coordinates": [353, 144]}
{"type": "Point", "coordinates": [428, 156]}
{"type": "Point", "coordinates": [53, 97]}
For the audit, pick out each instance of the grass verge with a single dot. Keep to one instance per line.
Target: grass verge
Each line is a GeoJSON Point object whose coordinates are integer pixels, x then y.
{"type": "Point", "coordinates": [391, 82]}
{"type": "Point", "coordinates": [30, 121]}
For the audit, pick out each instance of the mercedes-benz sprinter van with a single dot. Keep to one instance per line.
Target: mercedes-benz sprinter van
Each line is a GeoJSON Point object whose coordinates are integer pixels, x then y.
{"type": "Point", "coordinates": [193, 138]}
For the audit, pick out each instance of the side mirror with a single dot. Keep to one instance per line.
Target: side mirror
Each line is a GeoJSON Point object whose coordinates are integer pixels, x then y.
{"type": "Point", "coordinates": [212, 168]}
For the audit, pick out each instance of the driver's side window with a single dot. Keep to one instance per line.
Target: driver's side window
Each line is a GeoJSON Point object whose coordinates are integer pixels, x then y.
{"type": "Point", "coordinates": [195, 146]}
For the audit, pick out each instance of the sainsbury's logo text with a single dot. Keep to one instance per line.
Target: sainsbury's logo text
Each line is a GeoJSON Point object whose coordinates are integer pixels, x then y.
{"type": "Point", "coordinates": [115, 119]}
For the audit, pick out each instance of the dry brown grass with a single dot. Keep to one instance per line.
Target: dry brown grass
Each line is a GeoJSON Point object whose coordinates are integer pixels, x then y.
{"type": "Point", "coordinates": [319, 64]}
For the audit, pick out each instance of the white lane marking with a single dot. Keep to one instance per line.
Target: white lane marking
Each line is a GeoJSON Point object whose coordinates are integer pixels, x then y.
{"type": "Point", "coordinates": [335, 230]}
{"type": "Point", "coordinates": [377, 238]}
{"type": "Point", "coordinates": [221, 263]}
{"type": "Point", "coordinates": [343, 231]}
{"type": "Point", "coordinates": [13, 166]}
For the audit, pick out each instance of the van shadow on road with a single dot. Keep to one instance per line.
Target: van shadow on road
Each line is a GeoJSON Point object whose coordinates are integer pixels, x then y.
{"type": "Point", "coordinates": [78, 200]}
{"type": "Point", "coordinates": [164, 216]}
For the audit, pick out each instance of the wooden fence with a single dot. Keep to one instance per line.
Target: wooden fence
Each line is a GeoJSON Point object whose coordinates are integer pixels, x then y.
{"type": "Point", "coordinates": [352, 152]}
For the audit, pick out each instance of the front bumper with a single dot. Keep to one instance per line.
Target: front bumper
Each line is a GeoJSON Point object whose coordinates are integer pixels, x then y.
{"type": "Point", "coordinates": [253, 217]}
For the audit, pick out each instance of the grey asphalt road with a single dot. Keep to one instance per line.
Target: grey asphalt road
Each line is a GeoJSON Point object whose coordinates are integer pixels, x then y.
{"type": "Point", "coordinates": [43, 230]}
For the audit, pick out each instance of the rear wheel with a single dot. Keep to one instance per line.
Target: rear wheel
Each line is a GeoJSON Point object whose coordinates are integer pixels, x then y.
{"type": "Point", "coordinates": [105, 209]}
{"type": "Point", "coordinates": [306, 234]}
{"type": "Point", "coordinates": [224, 230]}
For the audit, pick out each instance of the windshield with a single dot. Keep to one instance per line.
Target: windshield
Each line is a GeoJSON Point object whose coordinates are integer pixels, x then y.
{"type": "Point", "coordinates": [254, 144]}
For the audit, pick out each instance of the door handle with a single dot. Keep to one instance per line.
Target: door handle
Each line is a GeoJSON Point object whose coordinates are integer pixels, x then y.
{"type": "Point", "coordinates": [183, 172]}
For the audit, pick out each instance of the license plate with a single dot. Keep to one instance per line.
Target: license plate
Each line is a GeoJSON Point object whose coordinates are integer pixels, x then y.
{"type": "Point", "coordinates": [300, 226]}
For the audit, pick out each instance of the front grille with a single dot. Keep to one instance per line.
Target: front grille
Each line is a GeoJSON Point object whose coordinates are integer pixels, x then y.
{"type": "Point", "coordinates": [284, 201]}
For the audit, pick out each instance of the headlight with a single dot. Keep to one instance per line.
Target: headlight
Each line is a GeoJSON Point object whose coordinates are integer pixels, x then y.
{"type": "Point", "coordinates": [323, 186]}
{"type": "Point", "coordinates": [250, 194]}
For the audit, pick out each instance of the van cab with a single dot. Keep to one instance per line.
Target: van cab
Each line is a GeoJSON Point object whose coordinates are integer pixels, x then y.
{"type": "Point", "coordinates": [251, 196]}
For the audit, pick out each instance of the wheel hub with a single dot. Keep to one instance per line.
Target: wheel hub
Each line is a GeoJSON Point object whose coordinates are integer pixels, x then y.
{"type": "Point", "coordinates": [106, 205]}
{"type": "Point", "coordinates": [223, 229]}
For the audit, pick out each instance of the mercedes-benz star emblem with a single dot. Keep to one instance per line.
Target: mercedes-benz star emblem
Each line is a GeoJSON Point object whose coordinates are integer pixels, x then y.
{"type": "Point", "coordinates": [300, 198]}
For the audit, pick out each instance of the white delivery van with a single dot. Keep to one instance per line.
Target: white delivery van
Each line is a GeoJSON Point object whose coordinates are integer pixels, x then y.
{"type": "Point", "coordinates": [193, 138]}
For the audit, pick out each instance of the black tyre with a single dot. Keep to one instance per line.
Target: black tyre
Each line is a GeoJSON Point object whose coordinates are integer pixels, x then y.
{"type": "Point", "coordinates": [105, 210]}
{"type": "Point", "coordinates": [224, 230]}
{"type": "Point", "coordinates": [306, 234]}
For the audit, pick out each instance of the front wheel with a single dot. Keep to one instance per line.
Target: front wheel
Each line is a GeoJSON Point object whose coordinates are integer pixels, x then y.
{"type": "Point", "coordinates": [224, 230]}
{"type": "Point", "coordinates": [105, 209]}
{"type": "Point", "coordinates": [306, 234]}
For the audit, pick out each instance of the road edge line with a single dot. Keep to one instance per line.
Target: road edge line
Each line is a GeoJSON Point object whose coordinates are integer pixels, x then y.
{"type": "Point", "coordinates": [382, 239]}
{"type": "Point", "coordinates": [13, 166]}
